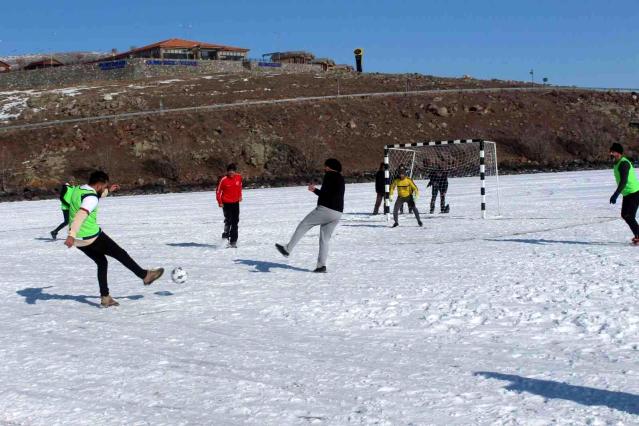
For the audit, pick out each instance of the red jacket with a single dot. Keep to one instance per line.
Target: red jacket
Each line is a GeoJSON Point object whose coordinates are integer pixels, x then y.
{"type": "Point", "coordinates": [229, 190]}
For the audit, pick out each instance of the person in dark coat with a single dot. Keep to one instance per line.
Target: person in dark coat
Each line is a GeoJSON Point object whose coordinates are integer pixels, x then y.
{"type": "Point", "coordinates": [380, 187]}
{"type": "Point", "coordinates": [330, 205]}
{"type": "Point", "coordinates": [438, 180]}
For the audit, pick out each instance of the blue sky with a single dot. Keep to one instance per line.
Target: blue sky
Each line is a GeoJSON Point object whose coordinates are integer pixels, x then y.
{"type": "Point", "coordinates": [586, 43]}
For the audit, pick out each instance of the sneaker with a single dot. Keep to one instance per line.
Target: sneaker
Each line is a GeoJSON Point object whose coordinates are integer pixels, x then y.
{"type": "Point", "coordinates": [635, 241]}
{"type": "Point", "coordinates": [54, 235]}
{"type": "Point", "coordinates": [152, 275]}
{"type": "Point", "coordinates": [232, 245]}
{"type": "Point", "coordinates": [225, 235]}
{"type": "Point", "coordinates": [395, 225]}
{"type": "Point", "coordinates": [320, 269]}
{"type": "Point", "coordinates": [419, 222]}
{"type": "Point", "coordinates": [108, 301]}
{"type": "Point", "coordinates": [282, 250]}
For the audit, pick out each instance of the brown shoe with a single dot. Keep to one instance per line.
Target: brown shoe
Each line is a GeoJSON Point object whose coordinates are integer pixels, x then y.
{"type": "Point", "coordinates": [108, 301]}
{"type": "Point", "coordinates": [152, 275]}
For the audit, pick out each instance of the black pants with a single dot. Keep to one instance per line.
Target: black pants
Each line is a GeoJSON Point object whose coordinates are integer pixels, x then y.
{"type": "Point", "coordinates": [378, 202]}
{"type": "Point", "coordinates": [104, 246]}
{"type": "Point", "coordinates": [629, 211]}
{"type": "Point", "coordinates": [231, 219]}
{"type": "Point", "coordinates": [441, 189]}
{"type": "Point", "coordinates": [65, 213]}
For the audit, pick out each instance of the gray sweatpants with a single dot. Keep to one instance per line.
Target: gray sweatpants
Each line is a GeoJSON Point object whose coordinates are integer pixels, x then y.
{"type": "Point", "coordinates": [327, 219]}
{"type": "Point", "coordinates": [400, 202]}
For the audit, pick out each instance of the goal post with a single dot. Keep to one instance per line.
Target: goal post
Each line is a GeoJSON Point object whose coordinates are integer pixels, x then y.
{"type": "Point", "coordinates": [438, 161]}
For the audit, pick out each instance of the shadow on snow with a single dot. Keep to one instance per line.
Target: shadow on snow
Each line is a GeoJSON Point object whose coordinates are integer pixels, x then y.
{"type": "Point", "coordinates": [621, 401]}
{"type": "Point", "coordinates": [262, 266]}
{"type": "Point", "coordinates": [50, 240]}
{"type": "Point", "coordinates": [33, 294]}
{"type": "Point", "coordinates": [542, 241]}
{"type": "Point", "coordinates": [362, 225]}
{"type": "Point", "coordinates": [191, 244]}
{"type": "Point", "coordinates": [359, 214]}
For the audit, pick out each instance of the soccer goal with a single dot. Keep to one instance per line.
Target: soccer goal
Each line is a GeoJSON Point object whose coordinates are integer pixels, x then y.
{"type": "Point", "coordinates": [446, 174]}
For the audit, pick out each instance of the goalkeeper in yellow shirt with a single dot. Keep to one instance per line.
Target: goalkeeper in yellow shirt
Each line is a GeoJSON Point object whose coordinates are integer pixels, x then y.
{"type": "Point", "coordinates": [407, 192]}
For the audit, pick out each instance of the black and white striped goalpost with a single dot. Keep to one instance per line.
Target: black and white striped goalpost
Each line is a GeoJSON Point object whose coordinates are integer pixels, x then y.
{"type": "Point", "coordinates": [482, 177]}
{"type": "Point", "coordinates": [482, 167]}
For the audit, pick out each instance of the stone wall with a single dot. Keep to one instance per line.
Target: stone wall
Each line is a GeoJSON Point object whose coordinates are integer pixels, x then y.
{"type": "Point", "coordinates": [67, 75]}
{"type": "Point", "coordinates": [283, 67]}
{"type": "Point", "coordinates": [147, 68]}
{"type": "Point", "coordinates": [135, 69]}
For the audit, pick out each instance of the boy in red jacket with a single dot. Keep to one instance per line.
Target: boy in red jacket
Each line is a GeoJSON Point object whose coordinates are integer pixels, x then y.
{"type": "Point", "coordinates": [229, 196]}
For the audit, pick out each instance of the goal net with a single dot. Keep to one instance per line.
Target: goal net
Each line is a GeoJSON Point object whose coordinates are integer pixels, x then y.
{"type": "Point", "coordinates": [460, 177]}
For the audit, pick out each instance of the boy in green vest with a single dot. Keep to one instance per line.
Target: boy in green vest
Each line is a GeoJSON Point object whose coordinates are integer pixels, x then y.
{"type": "Point", "coordinates": [64, 206]}
{"type": "Point", "coordinates": [628, 187]}
{"type": "Point", "coordinates": [88, 237]}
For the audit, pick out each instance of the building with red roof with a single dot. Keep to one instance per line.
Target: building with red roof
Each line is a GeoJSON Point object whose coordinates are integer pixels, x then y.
{"type": "Point", "coordinates": [176, 48]}
{"type": "Point", "coordinates": [49, 62]}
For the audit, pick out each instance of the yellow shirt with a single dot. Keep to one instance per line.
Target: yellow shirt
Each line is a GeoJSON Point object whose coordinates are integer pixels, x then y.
{"type": "Point", "coordinates": [405, 187]}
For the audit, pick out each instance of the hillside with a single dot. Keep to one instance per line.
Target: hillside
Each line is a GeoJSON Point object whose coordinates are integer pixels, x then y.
{"type": "Point", "coordinates": [546, 128]}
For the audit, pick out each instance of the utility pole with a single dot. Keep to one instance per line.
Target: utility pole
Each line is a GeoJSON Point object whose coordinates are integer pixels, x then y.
{"type": "Point", "coordinates": [532, 76]}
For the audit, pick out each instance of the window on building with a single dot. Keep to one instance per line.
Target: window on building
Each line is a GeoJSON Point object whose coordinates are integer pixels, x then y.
{"type": "Point", "coordinates": [231, 56]}
{"type": "Point", "coordinates": [177, 54]}
{"type": "Point", "coordinates": [209, 54]}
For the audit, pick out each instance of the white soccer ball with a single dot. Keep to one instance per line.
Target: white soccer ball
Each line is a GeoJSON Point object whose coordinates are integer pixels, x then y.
{"type": "Point", "coordinates": [179, 275]}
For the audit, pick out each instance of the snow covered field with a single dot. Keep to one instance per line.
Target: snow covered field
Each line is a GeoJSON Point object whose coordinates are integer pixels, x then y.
{"type": "Point", "coordinates": [531, 318]}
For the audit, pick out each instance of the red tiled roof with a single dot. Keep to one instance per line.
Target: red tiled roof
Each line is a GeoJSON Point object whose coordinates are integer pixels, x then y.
{"type": "Point", "coordinates": [4, 64]}
{"type": "Point", "coordinates": [45, 61]}
{"type": "Point", "coordinates": [178, 43]}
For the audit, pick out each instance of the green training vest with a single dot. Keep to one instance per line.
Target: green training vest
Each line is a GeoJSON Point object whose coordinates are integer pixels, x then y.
{"type": "Point", "coordinates": [65, 200]}
{"type": "Point", "coordinates": [632, 185]}
{"type": "Point", "coordinates": [90, 227]}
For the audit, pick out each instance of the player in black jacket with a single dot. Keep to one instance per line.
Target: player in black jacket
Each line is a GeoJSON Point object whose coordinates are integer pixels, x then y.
{"type": "Point", "coordinates": [438, 180]}
{"type": "Point", "coordinates": [327, 214]}
{"type": "Point", "coordinates": [380, 187]}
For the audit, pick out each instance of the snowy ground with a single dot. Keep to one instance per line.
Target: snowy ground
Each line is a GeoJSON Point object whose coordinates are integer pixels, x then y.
{"type": "Point", "coordinates": [527, 319]}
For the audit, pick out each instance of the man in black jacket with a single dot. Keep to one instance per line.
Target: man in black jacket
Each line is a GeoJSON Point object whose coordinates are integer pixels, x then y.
{"type": "Point", "coordinates": [438, 180]}
{"type": "Point", "coordinates": [327, 214]}
{"type": "Point", "coordinates": [380, 185]}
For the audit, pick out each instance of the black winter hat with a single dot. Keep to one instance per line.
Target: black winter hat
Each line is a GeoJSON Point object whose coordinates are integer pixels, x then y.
{"type": "Point", "coordinates": [333, 164]}
{"type": "Point", "coordinates": [616, 147]}
{"type": "Point", "coordinates": [98, 176]}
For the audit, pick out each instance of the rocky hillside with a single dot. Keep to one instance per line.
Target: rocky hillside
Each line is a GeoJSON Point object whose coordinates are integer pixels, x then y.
{"type": "Point", "coordinates": [286, 143]}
